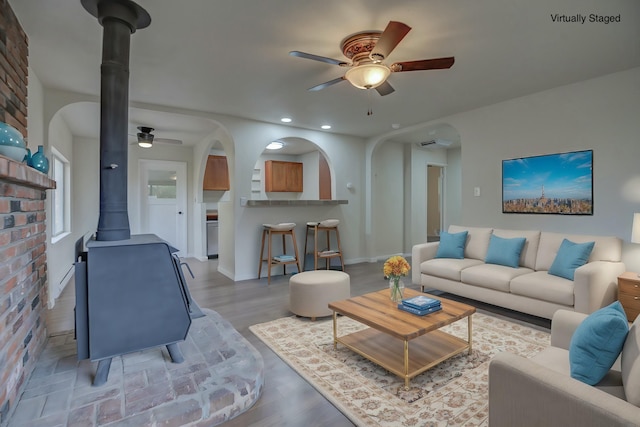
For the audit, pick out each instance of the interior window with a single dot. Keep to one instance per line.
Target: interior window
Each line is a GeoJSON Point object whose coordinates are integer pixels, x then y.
{"type": "Point", "coordinates": [60, 200]}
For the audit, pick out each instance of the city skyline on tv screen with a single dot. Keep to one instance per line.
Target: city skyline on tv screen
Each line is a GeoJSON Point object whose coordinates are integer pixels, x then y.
{"type": "Point", "coordinates": [554, 183]}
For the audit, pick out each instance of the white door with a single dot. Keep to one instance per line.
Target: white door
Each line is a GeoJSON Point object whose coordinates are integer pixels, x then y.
{"type": "Point", "coordinates": [163, 204]}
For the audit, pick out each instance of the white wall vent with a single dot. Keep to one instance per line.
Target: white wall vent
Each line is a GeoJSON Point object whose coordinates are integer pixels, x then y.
{"type": "Point", "coordinates": [435, 143]}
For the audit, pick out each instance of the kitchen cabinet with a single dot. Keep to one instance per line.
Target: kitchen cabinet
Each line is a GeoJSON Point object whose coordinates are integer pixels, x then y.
{"type": "Point", "coordinates": [216, 175]}
{"type": "Point", "coordinates": [282, 176]}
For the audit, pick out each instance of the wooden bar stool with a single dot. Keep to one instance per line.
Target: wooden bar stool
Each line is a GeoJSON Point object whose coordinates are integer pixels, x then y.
{"type": "Point", "coordinates": [282, 229]}
{"type": "Point", "coordinates": [328, 225]}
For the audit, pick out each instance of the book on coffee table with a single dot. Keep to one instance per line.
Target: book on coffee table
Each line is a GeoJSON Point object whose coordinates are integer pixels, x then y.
{"type": "Point", "coordinates": [421, 302]}
{"type": "Point", "coordinates": [418, 312]}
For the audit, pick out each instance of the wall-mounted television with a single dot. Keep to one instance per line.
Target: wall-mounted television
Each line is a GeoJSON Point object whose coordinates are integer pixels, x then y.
{"type": "Point", "coordinates": [560, 184]}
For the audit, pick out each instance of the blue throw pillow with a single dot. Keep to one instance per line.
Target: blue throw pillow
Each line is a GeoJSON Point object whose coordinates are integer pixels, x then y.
{"type": "Point", "coordinates": [452, 245]}
{"type": "Point", "coordinates": [597, 343]}
{"type": "Point", "coordinates": [505, 251]}
{"type": "Point", "coordinates": [569, 257]}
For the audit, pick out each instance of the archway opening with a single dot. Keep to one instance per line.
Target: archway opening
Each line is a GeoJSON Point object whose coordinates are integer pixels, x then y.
{"type": "Point", "coordinates": [292, 168]}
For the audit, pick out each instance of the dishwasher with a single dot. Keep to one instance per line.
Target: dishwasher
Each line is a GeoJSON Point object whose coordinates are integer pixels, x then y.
{"type": "Point", "coordinates": [212, 239]}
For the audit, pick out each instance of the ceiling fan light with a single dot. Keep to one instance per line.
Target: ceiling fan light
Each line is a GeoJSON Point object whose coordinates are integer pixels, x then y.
{"type": "Point", "coordinates": [145, 140]}
{"type": "Point", "coordinates": [367, 76]}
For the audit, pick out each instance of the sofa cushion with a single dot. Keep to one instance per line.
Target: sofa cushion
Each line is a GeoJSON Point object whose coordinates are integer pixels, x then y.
{"type": "Point", "coordinates": [569, 257]}
{"type": "Point", "coordinates": [545, 287]}
{"type": "Point", "coordinates": [504, 251]}
{"type": "Point", "coordinates": [492, 276]}
{"type": "Point", "coordinates": [557, 359]}
{"type": "Point", "coordinates": [477, 241]}
{"type": "Point", "coordinates": [447, 268]}
{"type": "Point", "coordinates": [530, 248]}
{"type": "Point", "coordinates": [451, 245]}
{"type": "Point", "coordinates": [597, 343]}
{"type": "Point", "coordinates": [630, 364]}
{"type": "Point", "coordinates": [606, 248]}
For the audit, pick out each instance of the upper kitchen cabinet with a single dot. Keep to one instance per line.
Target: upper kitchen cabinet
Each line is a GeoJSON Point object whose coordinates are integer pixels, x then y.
{"type": "Point", "coordinates": [282, 176]}
{"type": "Point", "coordinates": [216, 175]}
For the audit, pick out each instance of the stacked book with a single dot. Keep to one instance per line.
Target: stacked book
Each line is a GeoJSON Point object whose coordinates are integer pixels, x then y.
{"type": "Point", "coordinates": [327, 253]}
{"type": "Point", "coordinates": [420, 305]}
{"type": "Point", "coordinates": [284, 258]}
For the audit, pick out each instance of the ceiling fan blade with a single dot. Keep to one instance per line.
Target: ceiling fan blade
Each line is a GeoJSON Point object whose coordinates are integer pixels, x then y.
{"type": "Point", "coordinates": [318, 58]}
{"type": "Point", "coordinates": [389, 39]}
{"type": "Point", "coordinates": [326, 84]}
{"type": "Point", "coordinates": [168, 141]}
{"type": "Point", "coordinates": [424, 64]}
{"type": "Point", "coordinates": [385, 89]}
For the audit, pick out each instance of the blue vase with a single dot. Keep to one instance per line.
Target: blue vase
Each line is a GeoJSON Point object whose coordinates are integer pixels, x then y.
{"type": "Point", "coordinates": [27, 158]}
{"type": "Point", "coordinates": [12, 143]}
{"type": "Point", "coordinates": [39, 161]}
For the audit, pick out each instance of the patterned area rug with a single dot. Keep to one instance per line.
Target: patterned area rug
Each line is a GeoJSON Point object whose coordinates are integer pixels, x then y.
{"type": "Point", "coordinates": [453, 393]}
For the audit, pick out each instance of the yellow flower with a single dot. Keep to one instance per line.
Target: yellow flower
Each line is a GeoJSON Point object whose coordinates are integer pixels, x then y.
{"type": "Point", "coordinates": [396, 266]}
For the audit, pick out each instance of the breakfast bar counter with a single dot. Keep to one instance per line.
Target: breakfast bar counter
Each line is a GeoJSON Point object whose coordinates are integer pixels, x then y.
{"type": "Point", "coordinates": [294, 202]}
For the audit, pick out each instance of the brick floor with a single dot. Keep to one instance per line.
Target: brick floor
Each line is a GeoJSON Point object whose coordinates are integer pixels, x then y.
{"type": "Point", "coordinates": [221, 377]}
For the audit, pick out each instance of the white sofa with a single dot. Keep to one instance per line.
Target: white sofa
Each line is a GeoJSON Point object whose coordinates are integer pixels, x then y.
{"type": "Point", "coordinates": [527, 288]}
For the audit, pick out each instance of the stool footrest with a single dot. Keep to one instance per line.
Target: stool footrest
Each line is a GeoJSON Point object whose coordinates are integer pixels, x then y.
{"type": "Point", "coordinates": [314, 228]}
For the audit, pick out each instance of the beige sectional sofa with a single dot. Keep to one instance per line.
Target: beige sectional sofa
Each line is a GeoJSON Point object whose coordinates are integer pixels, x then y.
{"type": "Point", "coordinates": [528, 288]}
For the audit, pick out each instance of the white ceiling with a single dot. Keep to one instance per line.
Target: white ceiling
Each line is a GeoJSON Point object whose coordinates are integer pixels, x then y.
{"type": "Point", "coordinates": [231, 57]}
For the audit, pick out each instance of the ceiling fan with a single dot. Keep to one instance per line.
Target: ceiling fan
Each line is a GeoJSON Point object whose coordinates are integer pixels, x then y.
{"type": "Point", "coordinates": [367, 50]}
{"type": "Point", "coordinates": [145, 138]}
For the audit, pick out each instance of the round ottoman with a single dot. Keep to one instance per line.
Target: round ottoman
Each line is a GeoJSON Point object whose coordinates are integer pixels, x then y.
{"type": "Point", "coordinates": [311, 291]}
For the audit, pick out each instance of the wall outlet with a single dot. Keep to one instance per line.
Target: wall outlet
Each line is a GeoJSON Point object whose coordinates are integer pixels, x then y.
{"type": "Point", "coordinates": [476, 191]}
{"type": "Point", "coordinates": [243, 201]}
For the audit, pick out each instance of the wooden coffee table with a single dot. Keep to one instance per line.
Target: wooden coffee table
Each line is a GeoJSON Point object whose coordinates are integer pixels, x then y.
{"type": "Point", "coordinates": [402, 343]}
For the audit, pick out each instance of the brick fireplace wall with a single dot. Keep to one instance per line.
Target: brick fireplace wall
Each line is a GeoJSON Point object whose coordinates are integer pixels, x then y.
{"type": "Point", "coordinates": [23, 260]}
{"type": "Point", "coordinates": [14, 49]}
{"type": "Point", "coordinates": [23, 276]}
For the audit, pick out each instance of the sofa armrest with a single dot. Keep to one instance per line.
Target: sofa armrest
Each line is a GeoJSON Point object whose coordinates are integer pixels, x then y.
{"type": "Point", "coordinates": [521, 392]}
{"type": "Point", "coordinates": [563, 325]}
{"type": "Point", "coordinates": [420, 253]}
{"type": "Point", "coordinates": [596, 285]}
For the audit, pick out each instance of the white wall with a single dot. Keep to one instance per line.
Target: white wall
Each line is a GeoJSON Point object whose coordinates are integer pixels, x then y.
{"type": "Point", "coordinates": [58, 264]}
{"type": "Point", "coordinates": [35, 103]}
{"type": "Point", "coordinates": [311, 175]}
{"type": "Point", "coordinates": [85, 182]}
{"type": "Point", "coordinates": [600, 114]}
{"type": "Point", "coordinates": [388, 199]}
{"type": "Point", "coordinates": [453, 187]}
{"type": "Point", "coordinates": [399, 196]}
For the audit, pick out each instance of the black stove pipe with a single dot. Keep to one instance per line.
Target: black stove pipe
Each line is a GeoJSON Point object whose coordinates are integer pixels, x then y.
{"type": "Point", "coordinates": [120, 19]}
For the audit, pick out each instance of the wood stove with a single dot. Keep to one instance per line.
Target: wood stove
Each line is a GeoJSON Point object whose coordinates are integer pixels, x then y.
{"type": "Point", "coordinates": [130, 295]}
{"type": "Point", "coordinates": [130, 291]}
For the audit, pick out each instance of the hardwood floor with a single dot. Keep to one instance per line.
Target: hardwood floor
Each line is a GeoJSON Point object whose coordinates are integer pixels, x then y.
{"type": "Point", "coordinates": [287, 400]}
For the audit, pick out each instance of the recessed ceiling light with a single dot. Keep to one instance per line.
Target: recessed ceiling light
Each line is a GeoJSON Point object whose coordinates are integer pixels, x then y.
{"type": "Point", "coordinates": [325, 127]}
{"type": "Point", "coordinates": [285, 120]}
{"type": "Point", "coordinates": [275, 145]}
{"type": "Point", "coordinates": [395, 126]}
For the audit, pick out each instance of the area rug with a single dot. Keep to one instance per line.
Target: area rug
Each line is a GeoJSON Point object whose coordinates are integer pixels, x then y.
{"type": "Point", "coordinates": [454, 393]}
